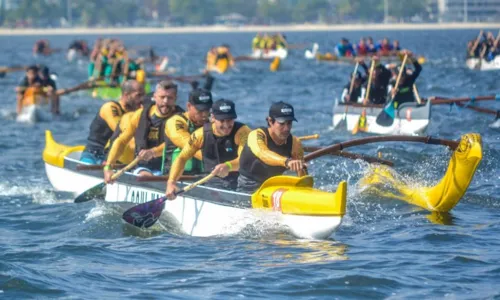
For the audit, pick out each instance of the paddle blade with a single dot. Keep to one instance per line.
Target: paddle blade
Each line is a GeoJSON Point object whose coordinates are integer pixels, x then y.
{"type": "Point", "coordinates": [146, 214]}
{"type": "Point", "coordinates": [386, 116]}
{"type": "Point", "coordinates": [94, 192]}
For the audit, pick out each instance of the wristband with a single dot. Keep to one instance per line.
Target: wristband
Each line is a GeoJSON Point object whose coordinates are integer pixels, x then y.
{"type": "Point", "coordinates": [229, 165]}
{"type": "Point", "coordinates": [286, 162]}
{"type": "Point", "coordinates": [107, 167]}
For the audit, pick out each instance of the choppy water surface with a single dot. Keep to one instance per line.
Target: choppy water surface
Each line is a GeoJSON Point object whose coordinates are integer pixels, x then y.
{"type": "Point", "coordinates": [52, 248]}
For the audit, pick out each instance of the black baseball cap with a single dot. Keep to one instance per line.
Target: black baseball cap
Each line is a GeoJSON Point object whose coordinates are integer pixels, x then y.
{"type": "Point", "coordinates": [201, 99]}
{"type": "Point", "coordinates": [282, 111]}
{"type": "Point", "coordinates": [224, 110]}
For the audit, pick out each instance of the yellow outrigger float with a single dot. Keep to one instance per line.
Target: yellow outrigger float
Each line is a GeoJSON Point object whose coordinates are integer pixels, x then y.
{"type": "Point", "coordinates": [441, 197]}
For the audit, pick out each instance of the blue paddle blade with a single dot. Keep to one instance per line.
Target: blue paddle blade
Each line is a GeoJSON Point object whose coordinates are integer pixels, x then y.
{"type": "Point", "coordinates": [386, 116]}
{"type": "Point", "coordinates": [146, 214]}
{"type": "Point", "coordinates": [94, 192]}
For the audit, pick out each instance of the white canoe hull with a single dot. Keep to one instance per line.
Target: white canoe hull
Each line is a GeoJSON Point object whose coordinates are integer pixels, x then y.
{"type": "Point", "coordinates": [33, 114]}
{"type": "Point", "coordinates": [411, 119]}
{"type": "Point", "coordinates": [203, 211]}
{"type": "Point", "coordinates": [259, 53]}
{"type": "Point", "coordinates": [482, 64]}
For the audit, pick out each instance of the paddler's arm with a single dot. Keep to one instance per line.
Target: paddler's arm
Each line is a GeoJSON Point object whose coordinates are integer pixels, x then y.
{"type": "Point", "coordinates": [123, 139]}
{"type": "Point", "coordinates": [298, 154]}
{"type": "Point", "coordinates": [195, 144]}
{"type": "Point", "coordinates": [418, 68]}
{"type": "Point", "coordinates": [177, 131]}
{"type": "Point", "coordinates": [257, 142]}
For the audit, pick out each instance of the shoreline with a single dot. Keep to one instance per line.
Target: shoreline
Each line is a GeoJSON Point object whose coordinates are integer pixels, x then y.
{"type": "Point", "coordinates": [250, 28]}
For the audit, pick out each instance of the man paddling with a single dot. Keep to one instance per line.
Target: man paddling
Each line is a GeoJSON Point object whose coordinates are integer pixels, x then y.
{"type": "Point", "coordinates": [380, 82]}
{"type": "Point", "coordinates": [29, 87]}
{"type": "Point", "coordinates": [147, 127]}
{"type": "Point", "coordinates": [220, 143]}
{"type": "Point", "coordinates": [271, 150]}
{"type": "Point", "coordinates": [106, 121]}
{"type": "Point", "coordinates": [404, 92]}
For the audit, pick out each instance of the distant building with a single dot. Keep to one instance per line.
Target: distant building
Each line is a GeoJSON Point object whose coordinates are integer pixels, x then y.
{"type": "Point", "coordinates": [233, 19]}
{"type": "Point", "coordinates": [468, 10]}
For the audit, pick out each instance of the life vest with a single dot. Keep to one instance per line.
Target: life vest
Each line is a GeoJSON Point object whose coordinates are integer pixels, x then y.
{"type": "Point", "coordinates": [193, 165]}
{"type": "Point", "coordinates": [217, 150]}
{"type": "Point", "coordinates": [252, 167]}
{"type": "Point", "coordinates": [150, 133]}
{"type": "Point", "coordinates": [100, 133]}
{"type": "Point", "coordinates": [34, 95]}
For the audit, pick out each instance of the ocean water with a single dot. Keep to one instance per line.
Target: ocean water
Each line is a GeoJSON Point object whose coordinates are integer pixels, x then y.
{"type": "Point", "coordinates": [51, 248]}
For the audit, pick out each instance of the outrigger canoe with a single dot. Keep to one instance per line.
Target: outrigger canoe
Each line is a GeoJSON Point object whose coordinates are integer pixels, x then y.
{"type": "Point", "coordinates": [410, 118]}
{"type": "Point", "coordinates": [281, 53]}
{"type": "Point", "coordinates": [475, 63]}
{"type": "Point", "coordinates": [441, 197]}
{"type": "Point", "coordinates": [208, 211]}
{"type": "Point", "coordinates": [314, 54]}
{"type": "Point", "coordinates": [112, 93]}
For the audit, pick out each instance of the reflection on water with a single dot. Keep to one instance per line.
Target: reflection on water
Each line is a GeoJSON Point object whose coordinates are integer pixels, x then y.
{"type": "Point", "coordinates": [441, 218]}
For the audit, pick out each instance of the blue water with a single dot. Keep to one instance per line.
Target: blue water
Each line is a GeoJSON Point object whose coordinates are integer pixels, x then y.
{"type": "Point", "coordinates": [51, 248]}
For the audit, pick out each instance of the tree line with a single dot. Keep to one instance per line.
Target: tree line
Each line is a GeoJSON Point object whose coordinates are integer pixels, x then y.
{"type": "Point", "coordinates": [54, 13]}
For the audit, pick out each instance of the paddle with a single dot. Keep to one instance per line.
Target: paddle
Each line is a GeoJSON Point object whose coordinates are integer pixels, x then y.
{"type": "Point", "coordinates": [417, 96]}
{"type": "Point", "coordinates": [96, 190]}
{"type": "Point", "coordinates": [4, 70]}
{"type": "Point", "coordinates": [146, 214]}
{"type": "Point", "coordinates": [309, 137]}
{"type": "Point", "coordinates": [386, 116]}
{"type": "Point", "coordinates": [350, 155]}
{"type": "Point", "coordinates": [361, 124]}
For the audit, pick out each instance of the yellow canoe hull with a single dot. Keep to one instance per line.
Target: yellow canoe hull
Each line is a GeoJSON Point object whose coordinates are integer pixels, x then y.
{"type": "Point", "coordinates": [441, 197]}
{"type": "Point", "coordinates": [393, 58]}
{"type": "Point", "coordinates": [286, 194]}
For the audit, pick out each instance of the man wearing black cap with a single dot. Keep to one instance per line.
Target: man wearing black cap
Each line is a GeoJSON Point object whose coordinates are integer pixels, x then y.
{"type": "Point", "coordinates": [180, 127]}
{"type": "Point", "coordinates": [272, 150]}
{"type": "Point", "coordinates": [220, 142]}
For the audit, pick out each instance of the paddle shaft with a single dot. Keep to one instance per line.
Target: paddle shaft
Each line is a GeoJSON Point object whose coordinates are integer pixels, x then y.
{"type": "Point", "coordinates": [352, 78]}
{"type": "Point", "coordinates": [351, 155]}
{"type": "Point", "coordinates": [308, 137]}
{"type": "Point", "coordinates": [126, 168]}
{"type": "Point", "coordinates": [195, 184]}
{"type": "Point", "coordinates": [398, 80]}
{"type": "Point", "coordinates": [417, 96]}
{"type": "Point", "coordinates": [376, 139]}
{"type": "Point", "coordinates": [165, 178]}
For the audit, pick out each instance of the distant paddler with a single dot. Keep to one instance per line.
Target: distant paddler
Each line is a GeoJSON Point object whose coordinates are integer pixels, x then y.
{"type": "Point", "coordinates": [224, 52]}
{"type": "Point", "coordinates": [344, 49]}
{"type": "Point", "coordinates": [220, 143]}
{"type": "Point", "coordinates": [42, 47]}
{"type": "Point", "coordinates": [49, 88]}
{"type": "Point", "coordinates": [380, 82]}
{"type": "Point", "coordinates": [29, 90]}
{"type": "Point", "coordinates": [404, 92]}
{"type": "Point", "coordinates": [107, 119]}
{"type": "Point", "coordinates": [256, 41]}
{"type": "Point", "coordinates": [271, 150]}
{"type": "Point", "coordinates": [78, 47]}
{"type": "Point", "coordinates": [353, 91]}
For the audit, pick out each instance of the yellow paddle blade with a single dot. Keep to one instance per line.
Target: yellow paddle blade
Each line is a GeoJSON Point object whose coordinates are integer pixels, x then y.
{"type": "Point", "coordinates": [296, 196]}
{"type": "Point", "coordinates": [275, 64]}
{"type": "Point", "coordinates": [421, 60]}
{"type": "Point", "coordinates": [441, 197]}
{"type": "Point", "coordinates": [361, 124]}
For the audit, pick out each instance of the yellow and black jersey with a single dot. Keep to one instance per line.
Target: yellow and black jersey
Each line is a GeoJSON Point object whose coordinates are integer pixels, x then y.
{"type": "Point", "coordinates": [215, 149]}
{"type": "Point", "coordinates": [262, 158]}
{"type": "Point", "coordinates": [104, 124]}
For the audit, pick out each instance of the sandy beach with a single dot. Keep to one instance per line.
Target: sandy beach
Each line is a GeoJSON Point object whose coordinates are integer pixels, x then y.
{"type": "Point", "coordinates": [223, 29]}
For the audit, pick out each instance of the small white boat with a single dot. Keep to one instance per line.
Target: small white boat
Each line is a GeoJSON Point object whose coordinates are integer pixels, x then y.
{"type": "Point", "coordinates": [482, 64]}
{"type": "Point", "coordinates": [411, 118]}
{"type": "Point", "coordinates": [34, 114]}
{"type": "Point", "coordinates": [282, 53]}
{"type": "Point", "coordinates": [208, 211]}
